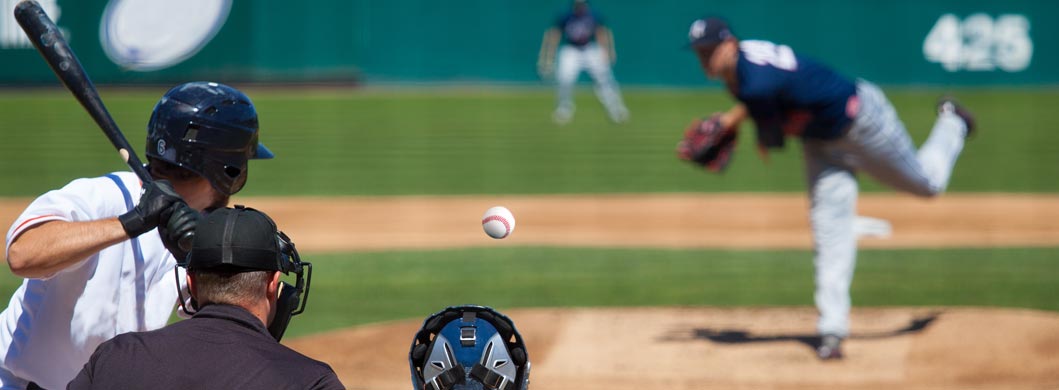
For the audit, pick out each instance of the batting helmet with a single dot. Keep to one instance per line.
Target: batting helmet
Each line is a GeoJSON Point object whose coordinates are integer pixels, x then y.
{"type": "Point", "coordinates": [469, 348]}
{"type": "Point", "coordinates": [207, 128]}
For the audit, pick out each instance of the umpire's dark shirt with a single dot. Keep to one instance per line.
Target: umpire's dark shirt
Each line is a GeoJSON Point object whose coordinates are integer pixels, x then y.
{"type": "Point", "coordinates": [221, 347]}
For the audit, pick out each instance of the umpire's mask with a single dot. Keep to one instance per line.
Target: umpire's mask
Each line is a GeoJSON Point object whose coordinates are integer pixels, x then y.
{"type": "Point", "coordinates": [469, 348]}
{"type": "Point", "coordinates": [243, 239]}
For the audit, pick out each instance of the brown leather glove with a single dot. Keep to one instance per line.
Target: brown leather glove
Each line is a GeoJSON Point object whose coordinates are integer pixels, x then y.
{"type": "Point", "coordinates": [707, 143]}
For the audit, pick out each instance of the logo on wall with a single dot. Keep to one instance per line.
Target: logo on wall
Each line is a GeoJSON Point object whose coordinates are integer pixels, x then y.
{"type": "Point", "coordinates": [980, 43]}
{"type": "Point", "coordinates": [147, 35]}
{"type": "Point", "coordinates": [11, 35]}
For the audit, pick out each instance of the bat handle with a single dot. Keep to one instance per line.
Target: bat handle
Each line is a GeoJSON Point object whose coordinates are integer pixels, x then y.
{"type": "Point", "coordinates": [186, 241]}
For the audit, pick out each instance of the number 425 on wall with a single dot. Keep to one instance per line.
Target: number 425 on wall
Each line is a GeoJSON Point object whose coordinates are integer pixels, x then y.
{"type": "Point", "coordinates": [980, 43]}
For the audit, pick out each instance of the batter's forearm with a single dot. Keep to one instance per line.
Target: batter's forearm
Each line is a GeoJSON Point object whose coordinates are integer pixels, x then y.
{"type": "Point", "coordinates": [53, 246]}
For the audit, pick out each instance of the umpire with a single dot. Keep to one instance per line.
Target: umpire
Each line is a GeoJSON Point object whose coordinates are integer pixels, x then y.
{"type": "Point", "coordinates": [233, 273]}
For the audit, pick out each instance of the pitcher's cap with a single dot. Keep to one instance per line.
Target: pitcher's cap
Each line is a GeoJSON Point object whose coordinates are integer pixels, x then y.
{"type": "Point", "coordinates": [708, 31]}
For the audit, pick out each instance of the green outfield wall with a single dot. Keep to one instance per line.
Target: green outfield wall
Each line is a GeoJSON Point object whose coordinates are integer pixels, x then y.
{"type": "Point", "coordinates": [911, 42]}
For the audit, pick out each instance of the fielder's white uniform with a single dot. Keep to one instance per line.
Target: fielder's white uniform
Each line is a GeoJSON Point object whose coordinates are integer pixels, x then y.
{"type": "Point", "coordinates": [52, 325]}
{"type": "Point", "coordinates": [572, 61]}
{"type": "Point", "coordinates": [578, 53]}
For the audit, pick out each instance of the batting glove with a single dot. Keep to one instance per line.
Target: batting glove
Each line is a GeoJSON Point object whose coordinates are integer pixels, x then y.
{"type": "Point", "coordinates": [176, 228]}
{"type": "Point", "coordinates": [158, 196]}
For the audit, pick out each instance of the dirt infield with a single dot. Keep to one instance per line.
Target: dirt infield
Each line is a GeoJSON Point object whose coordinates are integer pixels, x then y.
{"type": "Point", "coordinates": [656, 220]}
{"type": "Point", "coordinates": [761, 348]}
{"type": "Point", "coordinates": [332, 224]}
{"type": "Point", "coordinates": [697, 348]}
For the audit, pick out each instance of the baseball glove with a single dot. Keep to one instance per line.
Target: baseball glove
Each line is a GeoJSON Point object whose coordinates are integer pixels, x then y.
{"type": "Point", "coordinates": [707, 143]}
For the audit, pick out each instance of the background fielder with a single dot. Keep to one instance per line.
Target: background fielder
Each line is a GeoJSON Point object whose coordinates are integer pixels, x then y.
{"type": "Point", "coordinates": [587, 45]}
{"type": "Point", "coordinates": [845, 127]}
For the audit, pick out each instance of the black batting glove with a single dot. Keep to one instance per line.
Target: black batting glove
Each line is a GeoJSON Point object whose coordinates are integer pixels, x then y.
{"type": "Point", "coordinates": [176, 228]}
{"type": "Point", "coordinates": [157, 197]}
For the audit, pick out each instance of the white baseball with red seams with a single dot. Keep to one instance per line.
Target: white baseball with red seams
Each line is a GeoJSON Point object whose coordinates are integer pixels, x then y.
{"type": "Point", "coordinates": [498, 222]}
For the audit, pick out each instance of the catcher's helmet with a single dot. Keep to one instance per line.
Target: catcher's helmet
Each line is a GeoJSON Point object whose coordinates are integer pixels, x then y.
{"type": "Point", "coordinates": [469, 348]}
{"type": "Point", "coordinates": [207, 128]}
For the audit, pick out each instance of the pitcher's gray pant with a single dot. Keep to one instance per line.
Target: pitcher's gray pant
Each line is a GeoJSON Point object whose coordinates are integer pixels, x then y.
{"type": "Point", "coordinates": [878, 144]}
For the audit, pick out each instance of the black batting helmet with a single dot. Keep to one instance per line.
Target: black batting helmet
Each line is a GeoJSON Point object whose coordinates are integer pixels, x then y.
{"type": "Point", "coordinates": [207, 128]}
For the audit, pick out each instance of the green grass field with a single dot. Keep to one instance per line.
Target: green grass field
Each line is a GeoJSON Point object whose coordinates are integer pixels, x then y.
{"type": "Point", "coordinates": [359, 288]}
{"type": "Point", "coordinates": [444, 141]}
{"type": "Point", "coordinates": [384, 286]}
{"type": "Point", "coordinates": [447, 141]}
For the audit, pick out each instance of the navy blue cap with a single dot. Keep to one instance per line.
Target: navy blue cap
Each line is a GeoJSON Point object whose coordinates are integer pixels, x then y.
{"type": "Point", "coordinates": [709, 31]}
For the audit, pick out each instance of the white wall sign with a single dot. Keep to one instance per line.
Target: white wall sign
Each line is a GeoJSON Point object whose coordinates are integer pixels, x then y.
{"type": "Point", "coordinates": [146, 35]}
{"type": "Point", "coordinates": [980, 43]}
{"type": "Point", "coordinates": [11, 34]}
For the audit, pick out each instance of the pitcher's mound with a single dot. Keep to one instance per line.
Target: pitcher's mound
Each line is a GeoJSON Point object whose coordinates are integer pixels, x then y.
{"type": "Point", "coordinates": [737, 348]}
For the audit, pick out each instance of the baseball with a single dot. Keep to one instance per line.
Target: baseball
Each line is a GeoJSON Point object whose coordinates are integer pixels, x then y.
{"type": "Point", "coordinates": [498, 222]}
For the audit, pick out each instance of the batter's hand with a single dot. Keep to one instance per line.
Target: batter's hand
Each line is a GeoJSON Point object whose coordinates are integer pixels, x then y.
{"type": "Point", "coordinates": [175, 223]}
{"type": "Point", "coordinates": [707, 143]}
{"type": "Point", "coordinates": [158, 196]}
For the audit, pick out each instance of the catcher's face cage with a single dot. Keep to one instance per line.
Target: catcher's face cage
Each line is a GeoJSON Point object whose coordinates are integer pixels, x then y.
{"type": "Point", "coordinates": [469, 348]}
{"type": "Point", "coordinates": [291, 300]}
{"type": "Point", "coordinates": [208, 128]}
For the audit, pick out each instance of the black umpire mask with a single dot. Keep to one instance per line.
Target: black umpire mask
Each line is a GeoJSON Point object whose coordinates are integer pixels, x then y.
{"type": "Point", "coordinates": [242, 239]}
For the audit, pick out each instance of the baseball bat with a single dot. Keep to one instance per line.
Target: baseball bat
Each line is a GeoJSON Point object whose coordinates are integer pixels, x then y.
{"type": "Point", "coordinates": [51, 44]}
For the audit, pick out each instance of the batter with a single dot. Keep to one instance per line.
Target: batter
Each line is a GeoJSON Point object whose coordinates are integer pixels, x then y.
{"type": "Point", "coordinates": [95, 255]}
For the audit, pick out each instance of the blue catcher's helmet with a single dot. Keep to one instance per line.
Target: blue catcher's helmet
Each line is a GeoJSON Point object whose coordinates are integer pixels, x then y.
{"type": "Point", "coordinates": [207, 128]}
{"type": "Point", "coordinates": [469, 348]}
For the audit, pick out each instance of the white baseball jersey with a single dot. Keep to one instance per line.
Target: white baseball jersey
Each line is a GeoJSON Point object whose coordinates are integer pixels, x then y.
{"type": "Point", "coordinates": [52, 325]}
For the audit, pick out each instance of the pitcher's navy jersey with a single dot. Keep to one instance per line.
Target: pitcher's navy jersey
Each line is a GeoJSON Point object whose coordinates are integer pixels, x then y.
{"type": "Point", "coordinates": [579, 30]}
{"type": "Point", "coordinates": [788, 94]}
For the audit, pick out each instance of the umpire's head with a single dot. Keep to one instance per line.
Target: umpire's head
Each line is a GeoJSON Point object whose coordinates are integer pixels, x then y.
{"type": "Point", "coordinates": [236, 260]}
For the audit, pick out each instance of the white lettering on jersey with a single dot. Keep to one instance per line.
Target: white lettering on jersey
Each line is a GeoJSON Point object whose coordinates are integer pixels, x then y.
{"type": "Point", "coordinates": [768, 53]}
